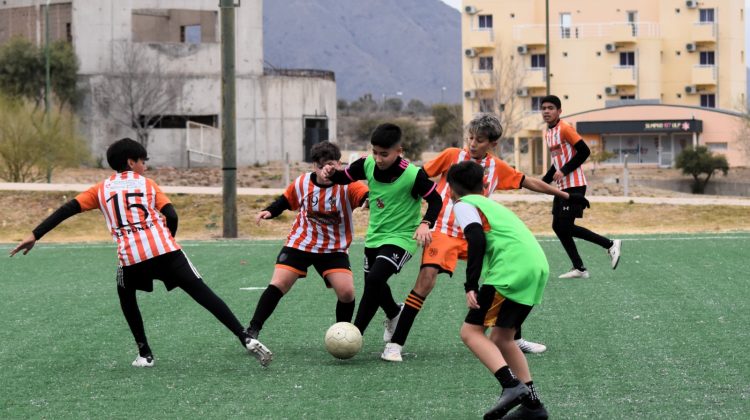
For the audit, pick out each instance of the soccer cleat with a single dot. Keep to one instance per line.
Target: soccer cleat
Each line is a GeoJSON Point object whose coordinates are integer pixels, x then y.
{"type": "Point", "coordinates": [259, 351]}
{"type": "Point", "coordinates": [525, 413]}
{"type": "Point", "coordinates": [530, 346]}
{"type": "Point", "coordinates": [141, 361]}
{"type": "Point", "coordinates": [390, 324]}
{"type": "Point", "coordinates": [392, 353]}
{"type": "Point", "coordinates": [614, 252]}
{"type": "Point", "coordinates": [575, 274]}
{"type": "Point", "coordinates": [509, 398]}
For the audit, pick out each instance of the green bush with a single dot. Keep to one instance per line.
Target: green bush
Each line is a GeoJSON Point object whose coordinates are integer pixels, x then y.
{"type": "Point", "coordinates": [700, 161]}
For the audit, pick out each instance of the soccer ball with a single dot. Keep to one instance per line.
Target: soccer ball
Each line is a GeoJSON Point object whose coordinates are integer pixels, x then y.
{"type": "Point", "coordinates": [343, 340]}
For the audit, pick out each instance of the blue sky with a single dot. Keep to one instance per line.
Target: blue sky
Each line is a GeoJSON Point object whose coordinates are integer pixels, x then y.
{"type": "Point", "coordinates": [457, 5]}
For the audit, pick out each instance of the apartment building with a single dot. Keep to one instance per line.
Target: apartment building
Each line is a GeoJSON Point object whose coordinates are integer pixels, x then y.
{"type": "Point", "coordinates": [677, 58]}
{"type": "Point", "coordinates": [280, 112]}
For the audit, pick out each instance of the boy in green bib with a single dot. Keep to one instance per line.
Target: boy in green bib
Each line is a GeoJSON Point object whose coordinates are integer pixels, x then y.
{"type": "Point", "coordinates": [502, 251]}
{"type": "Point", "coordinates": [395, 229]}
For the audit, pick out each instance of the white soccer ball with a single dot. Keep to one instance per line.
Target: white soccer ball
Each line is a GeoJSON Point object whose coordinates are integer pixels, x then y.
{"type": "Point", "coordinates": [343, 340]}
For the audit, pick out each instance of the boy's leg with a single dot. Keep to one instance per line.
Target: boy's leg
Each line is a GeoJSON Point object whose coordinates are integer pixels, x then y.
{"type": "Point", "coordinates": [587, 235]}
{"type": "Point", "coordinates": [132, 313]}
{"type": "Point", "coordinates": [379, 267]}
{"type": "Point", "coordinates": [281, 282]}
{"type": "Point", "coordinates": [503, 338]}
{"type": "Point", "coordinates": [413, 304]}
{"type": "Point", "coordinates": [342, 284]}
{"type": "Point", "coordinates": [563, 227]}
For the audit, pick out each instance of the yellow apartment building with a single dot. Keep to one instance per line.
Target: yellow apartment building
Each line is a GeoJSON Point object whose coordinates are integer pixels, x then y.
{"type": "Point", "coordinates": [676, 59]}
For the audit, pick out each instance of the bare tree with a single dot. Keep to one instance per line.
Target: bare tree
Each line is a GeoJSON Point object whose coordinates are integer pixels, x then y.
{"type": "Point", "coordinates": [138, 91]}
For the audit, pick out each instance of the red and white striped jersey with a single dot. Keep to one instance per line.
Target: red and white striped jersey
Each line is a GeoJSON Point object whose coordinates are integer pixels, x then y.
{"type": "Point", "coordinates": [130, 204]}
{"type": "Point", "coordinates": [324, 223]}
{"type": "Point", "coordinates": [560, 140]}
{"type": "Point", "coordinates": [498, 175]}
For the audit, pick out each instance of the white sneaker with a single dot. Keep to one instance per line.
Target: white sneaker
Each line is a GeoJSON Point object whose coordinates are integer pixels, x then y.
{"type": "Point", "coordinates": [530, 346]}
{"type": "Point", "coordinates": [390, 324]}
{"type": "Point", "coordinates": [259, 351]}
{"type": "Point", "coordinates": [140, 361]}
{"type": "Point", "coordinates": [575, 274]}
{"type": "Point", "coordinates": [614, 252]}
{"type": "Point", "coordinates": [392, 353]}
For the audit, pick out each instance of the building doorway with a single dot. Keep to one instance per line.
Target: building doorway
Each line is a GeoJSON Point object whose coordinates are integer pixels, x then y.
{"type": "Point", "coordinates": [316, 131]}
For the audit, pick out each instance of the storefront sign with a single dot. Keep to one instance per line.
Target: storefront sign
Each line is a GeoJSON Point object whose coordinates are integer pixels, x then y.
{"type": "Point", "coordinates": [654, 126]}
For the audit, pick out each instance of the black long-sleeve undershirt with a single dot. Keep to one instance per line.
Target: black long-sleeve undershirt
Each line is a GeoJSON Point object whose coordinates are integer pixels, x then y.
{"type": "Point", "coordinates": [423, 186]}
{"type": "Point", "coordinates": [582, 153]}
{"type": "Point", "coordinates": [477, 244]}
{"type": "Point", "coordinates": [170, 214]}
{"type": "Point", "coordinates": [69, 209]}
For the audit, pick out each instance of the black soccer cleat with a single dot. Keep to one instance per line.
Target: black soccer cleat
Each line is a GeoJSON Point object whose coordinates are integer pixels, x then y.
{"type": "Point", "coordinates": [509, 398]}
{"type": "Point", "coordinates": [525, 413]}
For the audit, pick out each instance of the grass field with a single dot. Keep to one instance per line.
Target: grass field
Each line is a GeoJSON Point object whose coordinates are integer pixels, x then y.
{"type": "Point", "coordinates": [665, 336]}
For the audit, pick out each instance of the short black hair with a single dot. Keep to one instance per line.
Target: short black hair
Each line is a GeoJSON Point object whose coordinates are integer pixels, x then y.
{"type": "Point", "coordinates": [466, 178]}
{"type": "Point", "coordinates": [554, 100]}
{"type": "Point", "coordinates": [324, 152]}
{"type": "Point", "coordinates": [386, 136]}
{"type": "Point", "coordinates": [120, 151]}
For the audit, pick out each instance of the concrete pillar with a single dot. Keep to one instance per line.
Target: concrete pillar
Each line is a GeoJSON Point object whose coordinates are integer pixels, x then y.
{"type": "Point", "coordinates": [517, 152]}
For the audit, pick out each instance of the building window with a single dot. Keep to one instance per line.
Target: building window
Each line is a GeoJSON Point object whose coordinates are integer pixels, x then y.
{"type": "Point", "coordinates": [717, 147]}
{"type": "Point", "coordinates": [536, 103]}
{"type": "Point", "coordinates": [538, 61]}
{"type": "Point", "coordinates": [565, 24]}
{"type": "Point", "coordinates": [627, 97]}
{"type": "Point", "coordinates": [485, 21]}
{"type": "Point", "coordinates": [627, 59]}
{"type": "Point", "coordinates": [486, 105]}
{"type": "Point", "coordinates": [708, 101]}
{"type": "Point", "coordinates": [633, 21]}
{"type": "Point", "coordinates": [707, 58]}
{"type": "Point", "coordinates": [706, 15]}
{"type": "Point", "coordinates": [190, 34]}
{"type": "Point", "coordinates": [69, 32]}
{"type": "Point", "coordinates": [485, 63]}
{"type": "Point", "coordinates": [179, 121]}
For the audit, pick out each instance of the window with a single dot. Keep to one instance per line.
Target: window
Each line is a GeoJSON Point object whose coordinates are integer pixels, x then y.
{"type": "Point", "coordinates": [707, 58]}
{"type": "Point", "coordinates": [536, 103]}
{"type": "Point", "coordinates": [633, 21]}
{"type": "Point", "coordinates": [485, 21]}
{"type": "Point", "coordinates": [486, 105]}
{"type": "Point", "coordinates": [179, 121]}
{"type": "Point", "coordinates": [565, 23]}
{"type": "Point", "coordinates": [68, 32]}
{"type": "Point", "coordinates": [485, 63]}
{"type": "Point", "coordinates": [190, 34]}
{"type": "Point", "coordinates": [627, 97]}
{"type": "Point", "coordinates": [627, 59]}
{"type": "Point", "coordinates": [717, 147]}
{"type": "Point", "coordinates": [708, 101]}
{"type": "Point", "coordinates": [706, 15]}
{"type": "Point", "coordinates": [538, 61]}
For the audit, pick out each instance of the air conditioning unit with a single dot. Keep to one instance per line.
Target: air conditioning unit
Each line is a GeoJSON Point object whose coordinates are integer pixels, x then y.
{"type": "Point", "coordinates": [470, 94]}
{"type": "Point", "coordinates": [470, 52]}
{"type": "Point", "coordinates": [691, 90]}
{"type": "Point", "coordinates": [523, 92]}
{"type": "Point", "coordinates": [470, 10]}
{"type": "Point", "coordinates": [610, 90]}
{"type": "Point", "coordinates": [522, 49]}
{"type": "Point", "coordinates": [691, 4]}
{"type": "Point", "coordinates": [691, 47]}
{"type": "Point", "coordinates": [610, 47]}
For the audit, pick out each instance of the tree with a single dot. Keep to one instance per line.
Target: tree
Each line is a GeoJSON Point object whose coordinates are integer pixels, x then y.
{"type": "Point", "coordinates": [413, 138]}
{"type": "Point", "coordinates": [393, 105]}
{"type": "Point", "coordinates": [364, 105]}
{"type": "Point", "coordinates": [416, 107]}
{"type": "Point", "coordinates": [447, 128]}
{"type": "Point", "coordinates": [137, 92]}
{"type": "Point", "coordinates": [598, 156]}
{"type": "Point", "coordinates": [700, 161]}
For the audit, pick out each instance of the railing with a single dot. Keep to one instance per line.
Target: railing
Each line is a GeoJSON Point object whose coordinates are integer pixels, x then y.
{"type": "Point", "coordinates": [589, 30]}
{"type": "Point", "coordinates": [200, 140]}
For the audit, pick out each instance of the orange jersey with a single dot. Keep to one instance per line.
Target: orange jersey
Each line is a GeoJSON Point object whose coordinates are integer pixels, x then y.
{"type": "Point", "coordinates": [324, 223]}
{"type": "Point", "coordinates": [560, 140]}
{"type": "Point", "coordinates": [130, 204]}
{"type": "Point", "coordinates": [498, 175]}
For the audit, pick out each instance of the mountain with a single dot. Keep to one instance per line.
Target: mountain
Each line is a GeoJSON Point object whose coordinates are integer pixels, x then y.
{"type": "Point", "coordinates": [374, 46]}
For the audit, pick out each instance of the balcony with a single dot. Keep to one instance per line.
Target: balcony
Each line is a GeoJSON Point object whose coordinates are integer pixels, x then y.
{"type": "Point", "coordinates": [530, 34]}
{"type": "Point", "coordinates": [479, 39]}
{"type": "Point", "coordinates": [618, 32]}
{"type": "Point", "coordinates": [704, 75]}
{"type": "Point", "coordinates": [535, 77]}
{"type": "Point", "coordinates": [483, 79]}
{"type": "Point", "coordinates": [624, 75]}
{"type": "Point", "coordinates": [703, 32]}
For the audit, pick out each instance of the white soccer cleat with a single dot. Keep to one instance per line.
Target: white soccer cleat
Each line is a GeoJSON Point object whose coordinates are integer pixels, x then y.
{"type": "Point", "coordinates": [530, 346]}
{"type": "Point", "coordinates": [575, 274]}
{"type": "Point", "coordinates": [614, 252]}
{"type": "Point", "coordinates": [390, 324]}
{"type": "Point", "coordinates": [259, 351]}
{"type": "Point", "coordinates": [141, 361]}
{"type": "Point", "coordinates": [392, 353]}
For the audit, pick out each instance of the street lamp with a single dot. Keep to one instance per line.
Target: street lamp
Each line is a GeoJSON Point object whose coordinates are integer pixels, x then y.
{"type": "Point", "coordinates": [442, 95]}
{"type": "Point", "coordinates": [46, 60]}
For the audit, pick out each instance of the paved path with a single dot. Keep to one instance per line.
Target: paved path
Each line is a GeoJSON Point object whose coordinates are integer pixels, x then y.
{"type": "Point", "coordinates": [502, 197]}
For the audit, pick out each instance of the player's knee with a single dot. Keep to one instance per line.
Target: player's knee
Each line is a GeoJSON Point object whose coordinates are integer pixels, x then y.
{"type": "Point", "coordinates": [467, 332]}
{"type": "Point", "coordinates": [426, 281]}
{"type": "Point", "coordinates": [345, 293]}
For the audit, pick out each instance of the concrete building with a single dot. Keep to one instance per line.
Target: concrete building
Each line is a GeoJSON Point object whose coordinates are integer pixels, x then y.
{"type": "Point", "coordinates": [685, 53]}
{"type": "Point", "coordinates": [280, 112]}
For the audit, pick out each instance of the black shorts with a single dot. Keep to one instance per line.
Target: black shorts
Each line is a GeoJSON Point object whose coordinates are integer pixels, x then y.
{"type": "Point", "coordinates": [297, 261]}
{"type": "Point", "coordinates": [497, 311]}
{"type": "Point", "coordinates": [171, 268]}
{"type": "Point", "coordinates": [395, 255]}
{"type": "Point", "coordinates": [564, 209]}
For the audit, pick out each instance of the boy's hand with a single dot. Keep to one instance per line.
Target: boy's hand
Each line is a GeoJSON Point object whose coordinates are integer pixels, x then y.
{"type": "Point", "coordinates": [329, 170]}
{"type": "Point", "coordinates": [579, 200]}
{"type": "Point", "coordinates": [423, 235]}
{"type": "Point", "coordinates": [26, 245]}
{"type": "Point", "coordinates": [558, 175]}
{"type": "Point", "coordinates": [471, 299]}
{"type": "Point", "coordinates": [265, 214]}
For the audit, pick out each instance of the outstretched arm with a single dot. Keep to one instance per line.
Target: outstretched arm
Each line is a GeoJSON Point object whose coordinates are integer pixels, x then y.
{"type": "Point", "coordinates": [71, 208]}
{"type": "Point", "coordinates": [273, 210]}
{"type": "Point", "coordinates": [540, 186]}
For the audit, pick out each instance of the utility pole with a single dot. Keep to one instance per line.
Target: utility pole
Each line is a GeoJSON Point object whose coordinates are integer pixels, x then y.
{"type": "Point", "coordinates": [228, 120]}
{"type": "Point", "coordinates": [48, 83]}
{"type": "Point", "coordinates": [547, 57]}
